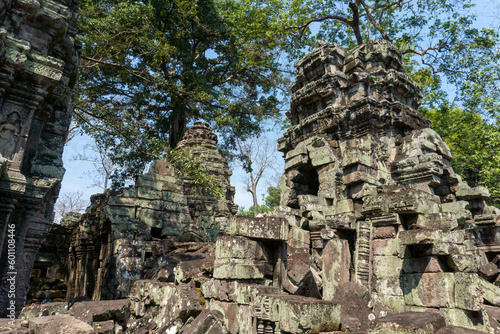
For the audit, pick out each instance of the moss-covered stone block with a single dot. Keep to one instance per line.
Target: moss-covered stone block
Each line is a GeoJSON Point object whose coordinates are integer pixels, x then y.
{"type": "Point", "coordinates": [269, 228]}
{"type": "Point", "coordinates": [298, 238]}
{"type": "Point", "coordinates": [238, 257]}
{"type": "Point", "coordinates": [164, 302]}
{"type": "Point", "coordinates": [409, 322]}
{"type": "Point", "coordinates": [430, 236]}
{"type": "Point", "coordinates": [429, 289]}
{"type": "Point", "coordinates": [475, 320]}
{"type": "Point", "coordinates": [385, 266]}
{"type": "Point", "coordinates": [242, 269]}
{"type": "Point", "coordinates": [468, 292]}
{"type": "Point", "coordinates": [307, 315]}
{"type": "Point", "coordinates": [387, 247]}
{"type": "Point", "coordinates": [491, 292]}
{"type": "Point", "coordinates": [390, 286]}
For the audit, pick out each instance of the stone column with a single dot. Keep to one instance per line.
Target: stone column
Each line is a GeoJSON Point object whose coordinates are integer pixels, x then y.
{"type": "Point", "coordinates": [38, 70]}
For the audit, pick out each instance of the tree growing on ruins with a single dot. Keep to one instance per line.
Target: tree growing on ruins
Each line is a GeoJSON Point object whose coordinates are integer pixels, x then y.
{"type": "Point", "coordinates": [149, 68]}
{"type": "Point", "coordinates": [436, 36]}
{"type": "Point", "coordinates": [271, 200]}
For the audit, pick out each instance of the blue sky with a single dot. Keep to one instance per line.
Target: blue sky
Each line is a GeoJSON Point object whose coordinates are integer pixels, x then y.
{"type": "Point", "coordinates": [76, 178]}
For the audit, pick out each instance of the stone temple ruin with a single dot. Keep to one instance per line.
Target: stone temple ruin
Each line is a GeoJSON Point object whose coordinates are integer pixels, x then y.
{"type": "Point", "coordinates": [121, 230]}
{"type": "Point", "coordinates": [375, 232]}
{"type": "Point", "coordinates": [38, 66]}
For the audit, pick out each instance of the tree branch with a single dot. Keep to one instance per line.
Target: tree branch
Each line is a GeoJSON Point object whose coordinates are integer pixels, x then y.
{"type": "Point", "coordinates": [302, 27]}
{"type": "Point", "coordinates": [355, 21]}
{"type": "Point", "coordinates": [374, 22]}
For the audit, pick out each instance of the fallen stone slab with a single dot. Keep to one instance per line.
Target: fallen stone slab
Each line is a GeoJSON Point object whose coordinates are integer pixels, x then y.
{"type": "Point", "coordinates": [457, 330]}
{"type": "Point", "coordinates": [233, 291]}
{"type": "Point", "coordinates": [355, 313]}
{"type": "Point", "coordinates": [489, 271]}
{"type": "Point", "coordinates": [196, 269]}
{"type": "Point", "coordinates": [43, 310]}
{"type": "Point", "coordinates": [143, 325]}
{"type": "Point", "coordinates": [494, 317]}
{"type": "Point", "coordinates": [208, 322]}
{"type": "Point", "coordinates": [18, 327]}
{"type": "Point", "coordinates": [310, 285]}
{"type": "Point", "coordinates": [97, 311]}
{"type": "Point", "coordinates": [164, 302]}
{"type": "Point", "coordinates": [59, 324]}
{"type": "Point", "coordinates": [409, 322]}
{"type": "Point", "coordinates": [491, 292]}
{"type": "Point", "coordinates": [173, 327]}
{"type": "Point", "coordinates": [298, 314]}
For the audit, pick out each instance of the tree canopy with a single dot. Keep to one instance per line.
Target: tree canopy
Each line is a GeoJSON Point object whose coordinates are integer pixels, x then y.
{"type": "Point", "coordinates": [150, 67]}
{"type": "Point", "coordinates": [436, 36]}
{"type": "Point", "coordinates": [455, 62]}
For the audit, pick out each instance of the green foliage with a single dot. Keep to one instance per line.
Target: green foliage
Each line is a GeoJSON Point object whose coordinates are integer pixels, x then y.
{"type": "Point", "coordinates": [472, 134]}
{"type": "Point", "coordinates": [250, 211]}
{"type": "Point", "coordinates": [192, 167]}
{"type": "Point", "coordinates": [474, 144]}
{"type": "Point", "coordinates": [271, 200]}
{"type": "Point", "coordinates": [273, 197]}
{"type": "Point", "coordinates": [151, 67]}
{"type": "Point", "coordinates": [436, 36]}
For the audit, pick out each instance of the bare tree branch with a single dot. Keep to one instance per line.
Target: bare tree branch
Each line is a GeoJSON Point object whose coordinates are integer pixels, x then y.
{"type": "Point", "coordinates": [256, 157]}
{"type": "Point", "coordinates": [103, 166]}
{"type": "Point", "coordinates": [373, 21]}
{"type": "Point", "coordinates": [69, 202]}
{"type": "Point", "coordinates": [302, 27]}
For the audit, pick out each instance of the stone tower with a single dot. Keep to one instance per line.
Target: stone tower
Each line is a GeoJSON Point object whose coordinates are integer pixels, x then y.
{"type": "Point", "coordinates": [122, 229]}
{"type": "Point", "coordinates": [372, 185]}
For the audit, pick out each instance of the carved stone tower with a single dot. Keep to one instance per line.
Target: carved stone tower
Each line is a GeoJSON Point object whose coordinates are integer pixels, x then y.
{"type": "Point", "coordinates": [38, 66]}
{"type": "Point", "coordinates": [372, 184]}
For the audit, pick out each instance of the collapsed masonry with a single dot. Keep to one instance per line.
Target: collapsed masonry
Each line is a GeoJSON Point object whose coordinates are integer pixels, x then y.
{"type": "Point", "coordinates": [375, 232]}
{"type": "Point", "coordinates": [371, 186]}
{"type": "Point", "coordinates": [121, 230]}
{"type": "Point", "coordinates": [38, 66]}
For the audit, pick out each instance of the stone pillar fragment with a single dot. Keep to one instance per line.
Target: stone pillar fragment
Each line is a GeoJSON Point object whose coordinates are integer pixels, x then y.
{"type": "Point", "coordinates": [38, 67]}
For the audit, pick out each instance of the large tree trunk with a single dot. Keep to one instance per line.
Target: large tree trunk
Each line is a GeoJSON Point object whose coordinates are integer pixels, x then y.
{"type": "Point", "coordinates": [177, 124]}
{"type": "Point", "coordinates": [255, 204]}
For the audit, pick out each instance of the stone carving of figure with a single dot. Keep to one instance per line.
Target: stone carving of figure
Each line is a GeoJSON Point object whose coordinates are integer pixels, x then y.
{"type": "Point", "coordinates": [10, 129]}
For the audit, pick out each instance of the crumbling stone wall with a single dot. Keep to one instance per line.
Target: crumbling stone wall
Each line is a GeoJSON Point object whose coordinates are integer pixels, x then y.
{"type": "Point", "coordinates": [50, 270]}
{"type": "Point", "coordinates": [372, 185]}
{"type": "Point", "coordinates": [38, 66]}
{"type": "Point", "coordinates": [122, 229]}
{"type": "Point", "coordinates": [373, 219]}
